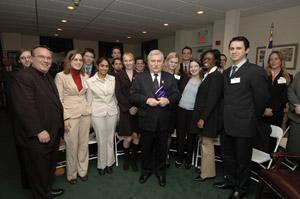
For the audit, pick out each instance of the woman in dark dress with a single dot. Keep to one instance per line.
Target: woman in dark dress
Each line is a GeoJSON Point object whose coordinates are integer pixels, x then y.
{"type": "Point", "coordinates": [278, 79]}
{"type": "Point", "coordinates": [205, 121]}
{"type": "Point", "coordinates": [128, 124]}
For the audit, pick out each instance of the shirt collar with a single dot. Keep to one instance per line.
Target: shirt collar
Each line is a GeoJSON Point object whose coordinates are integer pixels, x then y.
{"type": "Point", "coordinates": [213, 69]}
{"type": "Point", "coordinates": [241, 63]}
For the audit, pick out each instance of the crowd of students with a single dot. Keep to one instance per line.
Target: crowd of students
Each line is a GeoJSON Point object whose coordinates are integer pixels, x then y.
{"type": "Point", "coordinates": [200, 99]}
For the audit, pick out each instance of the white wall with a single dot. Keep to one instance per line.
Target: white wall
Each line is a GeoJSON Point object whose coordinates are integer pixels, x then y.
{"type": "Point", "coordinates": [191, 38]}
{"type": "Point", "coordinates": [287, 30]}
{"type": "Point", "coordinates": [167, 44]}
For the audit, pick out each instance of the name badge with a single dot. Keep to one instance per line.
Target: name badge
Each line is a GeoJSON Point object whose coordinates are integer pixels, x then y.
{"type": "Point", "coordinates": [177, 77]}
{"type": "Point", "coordinates": [235, 80]}
{"type": "Point", "coordinates": [281, 80]}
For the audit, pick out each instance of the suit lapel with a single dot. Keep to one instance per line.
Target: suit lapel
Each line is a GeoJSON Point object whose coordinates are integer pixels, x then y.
{"type": "Point", "coordinates": [241, 70]}
{"type": "Point", "coordinates": [149, 82]}
{"type": "Point", "coordinates": [54, 95]}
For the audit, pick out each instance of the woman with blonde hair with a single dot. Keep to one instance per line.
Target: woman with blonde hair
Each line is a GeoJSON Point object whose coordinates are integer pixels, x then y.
{"type": "Point", "coordinates": [279, 79]}
{"type": "Point", "coordinates": [128, 124]}
{"type": "Point", "coordinates": [76, 115]}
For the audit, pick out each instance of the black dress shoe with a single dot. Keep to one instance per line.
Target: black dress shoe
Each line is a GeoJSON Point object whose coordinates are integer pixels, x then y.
{"type": "Point", "coordinates": [56, 192]}
{"type": "Point", "coordinates": [188, 165]}
{"type": "Point", "coordinates": [84, 178]}
{"type": "Point", "coordinates": [178, 164]}
{"type": "Point", "coordinates": [223, 185]}
{"type": "Point", "coordinates": [144, 178]}
{"type": "Point", "coordinates": [101, 172]}
{"type": "Point", "coordinates": [72, 181]}
{"type": "Point", "coordinates": [162, 181]}
{"type": "Point", "coordinates": [200, 179]}
{"type": "Point", "coordinates": [236, 195]}
{"type": "Point", "coordinates": [109, 170]}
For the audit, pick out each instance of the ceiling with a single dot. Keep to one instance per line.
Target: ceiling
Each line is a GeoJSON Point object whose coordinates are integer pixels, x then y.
{"type": "Point", "coordinates": [111, 20]}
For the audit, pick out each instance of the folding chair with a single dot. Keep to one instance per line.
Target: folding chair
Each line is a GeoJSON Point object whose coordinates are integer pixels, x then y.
{"type": "Point", "coordinates": [118, 152]}
{"type": "Point", "coordinates": [261, 157]}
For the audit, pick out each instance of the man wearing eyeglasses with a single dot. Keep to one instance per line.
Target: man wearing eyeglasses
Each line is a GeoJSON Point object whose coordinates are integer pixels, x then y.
{"type": "Point", "coordinates": [38, 122]}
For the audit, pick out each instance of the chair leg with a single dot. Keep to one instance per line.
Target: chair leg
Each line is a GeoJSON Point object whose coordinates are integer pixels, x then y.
{"type": "Point", "coordinates": [259, 189]}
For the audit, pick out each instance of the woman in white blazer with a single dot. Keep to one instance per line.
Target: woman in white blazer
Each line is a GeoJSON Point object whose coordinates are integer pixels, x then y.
{"type": "Point", "coordinates": [101, 97]}
{"type": "Point", "coordinates": [70, 85]}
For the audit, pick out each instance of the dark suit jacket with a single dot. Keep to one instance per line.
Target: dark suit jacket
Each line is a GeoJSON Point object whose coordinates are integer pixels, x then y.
{"type": "Point", "coordinates": [143, 88]}
{"type": "Point", "coordinates": [123, 85]}
{"type": "Point", "coordinates": [244, 102]}
{"type": "Point", "coordinates": [184, 78]}
{"type": "Point", "coordinates": [207, 105]}
{"type": "Point", "coordinates": [36, 108]}
{"type": "Point", "coordinates": [278, 100]}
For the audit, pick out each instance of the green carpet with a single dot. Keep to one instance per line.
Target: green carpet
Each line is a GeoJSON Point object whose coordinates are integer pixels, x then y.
{"type": "Point", "coordinates": [119, 185]}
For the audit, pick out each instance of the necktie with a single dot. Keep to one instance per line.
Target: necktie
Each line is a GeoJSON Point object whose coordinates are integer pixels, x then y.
{"type": "Point", "coordinates": [233, 71]}
{"type": "Point", "coordinates": [155, 82]}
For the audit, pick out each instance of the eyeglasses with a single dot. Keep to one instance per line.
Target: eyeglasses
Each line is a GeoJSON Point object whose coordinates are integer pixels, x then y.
{"type": "Point", "coordinates": [77, 60]}
{"type": "Point", "coordinates": [43, 58]}
{"type": "Point", "coordinates": [23, 58]}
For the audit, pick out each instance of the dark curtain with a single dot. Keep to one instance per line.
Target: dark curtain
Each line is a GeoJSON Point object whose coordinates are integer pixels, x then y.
{"type": "Point", "coordinates": [57, 45]}
{"type": "Point", "coordinates": [147, 46]}
{"type": "Point", "coordinates": [105, 48]}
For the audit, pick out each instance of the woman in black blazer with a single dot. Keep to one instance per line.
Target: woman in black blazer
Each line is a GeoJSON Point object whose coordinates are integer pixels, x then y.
{"type": "Point", "coordinates": [278, 79]}
{"type": "Point", "coordinates": [128, 124]}
{"type": "Point", "coordinates": [206, 118]}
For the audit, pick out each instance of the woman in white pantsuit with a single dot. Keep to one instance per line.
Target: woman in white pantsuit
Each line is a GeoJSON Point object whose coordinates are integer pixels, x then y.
{"type": "Point", "coordinates": [102, 99]}
{"type": "Point", "coordinates": [76, 116]}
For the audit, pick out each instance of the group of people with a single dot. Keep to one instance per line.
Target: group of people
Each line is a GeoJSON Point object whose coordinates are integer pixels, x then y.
{"type": "Point", "coordinates": [145, 105]}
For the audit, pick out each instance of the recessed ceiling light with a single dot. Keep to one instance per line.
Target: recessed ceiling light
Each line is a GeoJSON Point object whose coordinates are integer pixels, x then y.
{"type": "Point", "coordinates": [117, 40]}
{"type": "Point", "coordinates": [71, 7]}
{"type": "Point", "coordinates": [128, 37]}
{"type": "Point", "coordinates": [56, 35]}
{"type": "Point", "coordinates": [59, 29]}
{"type": "Point", "coordinates": [200, 12]}
{"type": "Point", "coordinates": [64, 21]}
{"type": "Point", "coordinates": [144, 32]}
{"type": "Point", "coordinates": [166, 24]}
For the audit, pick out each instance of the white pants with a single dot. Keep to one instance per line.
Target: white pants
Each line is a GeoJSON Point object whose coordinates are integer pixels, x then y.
{"type": "Point", "coordinates": [105, 129]}
{"type": "Point", "coordinates": [77, 147]}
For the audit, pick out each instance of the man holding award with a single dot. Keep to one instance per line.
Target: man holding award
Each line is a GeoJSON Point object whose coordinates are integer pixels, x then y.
{"type": "Point", "coordinates": [154, 92]}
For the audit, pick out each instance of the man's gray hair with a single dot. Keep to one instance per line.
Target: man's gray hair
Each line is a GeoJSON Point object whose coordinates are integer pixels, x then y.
{"type": "Point", "coordinates": [155, 52]}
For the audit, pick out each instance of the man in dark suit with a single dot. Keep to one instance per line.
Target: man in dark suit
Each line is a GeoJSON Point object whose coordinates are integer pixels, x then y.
{"type": "Point", "coordinates": [154, 114]}
{"type": "Point", "coordinates": [88, 61]}
{"type": "Point", "coordinates": [38, 116]}
{"type": "Point", "coordinates": [184, 68]}
{"type": "Point", "coordinates": [245, 97]}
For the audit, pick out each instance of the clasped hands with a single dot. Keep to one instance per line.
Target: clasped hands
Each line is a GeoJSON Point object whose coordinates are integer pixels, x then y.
{"type": "Point", "coordinates": [162, 101]}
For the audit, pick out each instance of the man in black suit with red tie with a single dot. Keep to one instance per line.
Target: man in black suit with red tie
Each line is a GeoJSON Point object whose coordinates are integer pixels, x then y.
{"type": "Point", "coordinates": [154, 114]}
{"type": "Point", "coordinates": [245, 97]}
{"type": "Point", "coordinates": [38, 115]}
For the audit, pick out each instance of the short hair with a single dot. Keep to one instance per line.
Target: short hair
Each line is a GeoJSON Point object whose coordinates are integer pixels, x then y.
{"type": "Point", "coordinates": [115, 59]}
{"type": "Point", "coordinates": [188, 48]}
{"type": "Point", "coordinates": [101, 59]}
{"type": "Point", "coordinates": [67, 63]}
{"type": "Point", "coordinates": [128, 54]}
{"type": "Point", "coordinates": [224, 56]}
{"type": "Point", "coordinates": [216, 54]}
{"type": "Point", "coordinates": [20, 52]}
{"type": "Point", "coordinates": [39, 46]}
{"type": "Point", "coordinates": [90, 50]}
{"type": "Point", "coordinates": [139, 58]}
{"type": "Point", "coordinates": [155, 52]}
{"type": "Point", "coordinates": [240, 38]}
{"type": "Point", "coordinates": [116, 47]}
